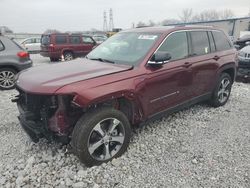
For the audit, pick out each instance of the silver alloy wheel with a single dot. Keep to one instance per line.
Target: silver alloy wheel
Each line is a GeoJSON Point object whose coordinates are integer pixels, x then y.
{"type": "Point", "coordinates": [68, 57]}
{"type": "Point", "coordinates": [7, 79]}
{"type": "Point", "coordinates": [224, 90]}
{"type": "Point", "coordinates": [106, 139]}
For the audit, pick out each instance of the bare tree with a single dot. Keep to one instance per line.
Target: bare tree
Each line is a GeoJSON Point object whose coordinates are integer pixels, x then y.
{"type": "Point", "coordinates": [151, 23]}
{"type": "Point", "coordinates": [207, 15]}
{"type": "Point", "coordinates": [51, 31]}
{"type": "Point", "coordinates": [169, 21]}
{"type": "Point", "coordinates": [186, 15]}
{"type": "Point", "coordinates": [227, 13]}
{"type": "Point", "coordinates": [141, 24]}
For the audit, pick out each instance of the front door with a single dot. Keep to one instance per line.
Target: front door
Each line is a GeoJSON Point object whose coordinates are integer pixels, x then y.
{"type": "Point", "coordinates": [168, 86]}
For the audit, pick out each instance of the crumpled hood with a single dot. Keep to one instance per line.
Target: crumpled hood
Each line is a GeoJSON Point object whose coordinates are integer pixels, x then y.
{"type": "Point", "coordinates": [49, 78]}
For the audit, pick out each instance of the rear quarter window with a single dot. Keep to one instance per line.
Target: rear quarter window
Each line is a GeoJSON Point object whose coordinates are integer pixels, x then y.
{"type": "Point", "coordinates": [87, 40]}
{"type": "Point", "coordinates": [61, 39]}
{"type": "Point", "coordinates": [221, 41]}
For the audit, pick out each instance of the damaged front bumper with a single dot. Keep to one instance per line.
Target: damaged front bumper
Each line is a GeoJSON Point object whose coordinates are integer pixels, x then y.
{"type": "Point", "coordinates": [46, 116]}
{"type": "Point", "coordinates": [35, 129]}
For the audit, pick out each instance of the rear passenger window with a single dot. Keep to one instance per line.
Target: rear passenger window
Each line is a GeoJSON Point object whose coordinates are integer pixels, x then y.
{"type": "Point", "coordinates": [200, 43]}
{"type": "Point", "coordinates": [221, 42]}
{"type": "Point", "coordinates": [176, 44]}
{"type": "Point", "coordinates": [1, 46]}
{"type": "Point", "coordinates": [211, 41]}
{"type": "Point", "coordinates": [61, 39]}
{"type": "Point", "coordinates": [75, 40]}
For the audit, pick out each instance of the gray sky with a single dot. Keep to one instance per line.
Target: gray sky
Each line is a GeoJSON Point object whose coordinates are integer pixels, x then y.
{"type": "Point", "coordinates": [76, 15]}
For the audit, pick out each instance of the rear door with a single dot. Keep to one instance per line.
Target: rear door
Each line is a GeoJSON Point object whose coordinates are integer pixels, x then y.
{"type": "Point", "coordinates": [87, 44]}
{"type": "Point", "coordinates": [61, 44]}
{"type": "Point", "coordinates": [203, 62]}
{"type": "Point", "coordinates": [76, 44]}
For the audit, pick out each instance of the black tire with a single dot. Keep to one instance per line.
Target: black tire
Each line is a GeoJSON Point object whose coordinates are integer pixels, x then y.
{"type": "Point", "coordinates": [215, 100]}
{"type": "Point", "coordinates": [7, 78]}
{"type": "Point", "coordinates": [54, 59]}
{"type": "Point", "coordinates": [68, 56]}
{"type": "Point", "coordinates": [84, 129]}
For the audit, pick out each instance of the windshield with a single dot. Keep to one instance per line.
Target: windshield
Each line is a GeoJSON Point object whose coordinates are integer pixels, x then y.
{"type": "Point", "coordinates": [125, 48]}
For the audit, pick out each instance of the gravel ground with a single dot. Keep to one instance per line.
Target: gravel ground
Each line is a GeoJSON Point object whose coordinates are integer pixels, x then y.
{"type": "Point", "coordinates": [197, 147]}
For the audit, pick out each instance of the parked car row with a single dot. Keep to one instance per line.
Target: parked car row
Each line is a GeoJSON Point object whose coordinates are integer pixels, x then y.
{"type": "Point", "coordinates": [65, 46]}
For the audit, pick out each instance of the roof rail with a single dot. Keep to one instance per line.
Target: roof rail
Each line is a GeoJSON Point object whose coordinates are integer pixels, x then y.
{"type": "Point", "coordinates": [194, 25]}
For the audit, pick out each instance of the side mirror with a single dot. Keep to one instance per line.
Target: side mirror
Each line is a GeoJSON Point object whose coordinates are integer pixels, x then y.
{"type": "Point", "coordinates": [160, 58]}
{"type": "Point", "coordinates": [247, 43]}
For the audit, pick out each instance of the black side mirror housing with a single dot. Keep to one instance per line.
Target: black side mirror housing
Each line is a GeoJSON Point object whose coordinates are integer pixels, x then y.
{"type": "Point", "coordinates": [160, 58]}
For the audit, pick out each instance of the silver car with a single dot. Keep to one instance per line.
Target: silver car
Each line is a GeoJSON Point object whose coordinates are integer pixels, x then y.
{"type": "Point", "coordinates": [13, 58]}
{"type": "Point", "coordinates": [32, 44]}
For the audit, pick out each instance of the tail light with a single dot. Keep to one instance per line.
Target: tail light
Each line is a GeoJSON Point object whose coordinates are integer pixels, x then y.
{"type": "Point", "coordinates": [23, 54]}
{"type": "Point", "coordinates": [51, 47]}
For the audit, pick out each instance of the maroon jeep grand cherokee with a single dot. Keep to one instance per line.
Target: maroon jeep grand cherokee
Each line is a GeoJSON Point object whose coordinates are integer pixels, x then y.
{"type": "Point", "coordinates": [134, 76]}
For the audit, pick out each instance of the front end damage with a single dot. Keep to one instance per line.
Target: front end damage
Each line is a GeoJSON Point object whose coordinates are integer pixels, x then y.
{"type": "Point", "coordinates": [47, 116]}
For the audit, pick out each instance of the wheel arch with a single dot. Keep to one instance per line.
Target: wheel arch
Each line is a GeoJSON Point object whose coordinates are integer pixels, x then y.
{"type": "Point", "coordinates": [9, 66]}
{"type": "Point", "coordinates": [128, 103]}
{"type": "Point", "coordinates": [229, 68]}
{"type": "Point", "coordinates": [68, 50]}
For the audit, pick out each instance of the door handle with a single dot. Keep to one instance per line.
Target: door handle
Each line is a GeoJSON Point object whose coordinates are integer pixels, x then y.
{"type": "Point", "coordinates": [187, 64]}
{"type": "Point", "coordinates": [216, 58]}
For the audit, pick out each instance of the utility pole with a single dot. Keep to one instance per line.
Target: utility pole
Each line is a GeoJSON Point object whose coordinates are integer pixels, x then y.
{"type": "Point", "coordinates": [111, 22]}
{"type": "Point", "coordinates": [105, 24]}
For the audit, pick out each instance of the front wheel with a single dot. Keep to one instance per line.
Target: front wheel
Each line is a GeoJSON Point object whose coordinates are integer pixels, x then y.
{"type": "Point", "coordinates": [222, 91]}
{"type": "Point", "coordinates": [101, 135]}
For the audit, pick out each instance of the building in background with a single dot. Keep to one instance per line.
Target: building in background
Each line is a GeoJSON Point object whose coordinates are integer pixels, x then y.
{"type": "Point", "coordinates": [234, 27]}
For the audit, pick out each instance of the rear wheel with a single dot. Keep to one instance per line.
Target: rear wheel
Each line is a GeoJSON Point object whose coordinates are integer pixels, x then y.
{"type": "Point", "coordinates": [222, 91]}
{"type": "Point", "coordinates": [101, 135]}
{"type": "Point", "coordinates": [68, 56]}
{"type": "Point", "coordinates": [7, 78]}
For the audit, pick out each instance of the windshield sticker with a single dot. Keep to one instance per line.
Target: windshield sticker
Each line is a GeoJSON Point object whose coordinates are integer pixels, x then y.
{"type": "Point", "coordinates": [147, 37]}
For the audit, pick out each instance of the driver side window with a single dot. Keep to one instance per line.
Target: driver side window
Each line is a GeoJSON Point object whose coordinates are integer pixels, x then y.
{"type": "Point", "coordinates": [176, 44]}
